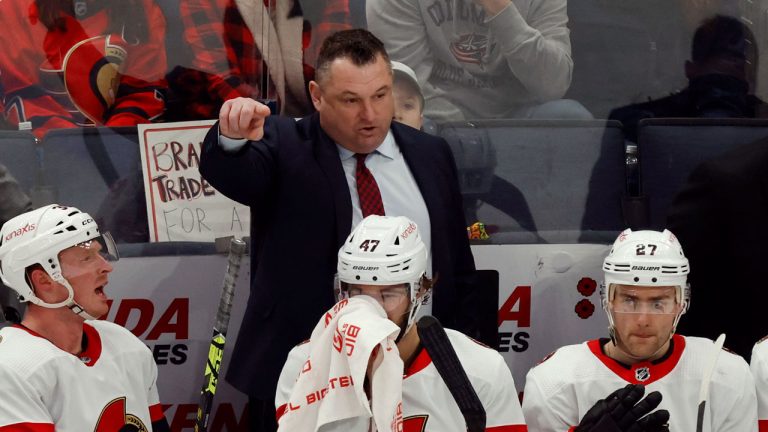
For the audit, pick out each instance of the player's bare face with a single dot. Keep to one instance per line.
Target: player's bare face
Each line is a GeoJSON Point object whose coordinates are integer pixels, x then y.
{"type": "Point", "coordinates": [393, 298]}
{"type": "Point", "coordinates": [644, 317]}
{"type": "Point", "coordinates": [355, 103]}
{"type": "Point", "coordinates": [87, 271]}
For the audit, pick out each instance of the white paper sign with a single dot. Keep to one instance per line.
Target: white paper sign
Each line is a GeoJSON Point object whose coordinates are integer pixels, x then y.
{"type": "Point", "coordinates": [181, 205]}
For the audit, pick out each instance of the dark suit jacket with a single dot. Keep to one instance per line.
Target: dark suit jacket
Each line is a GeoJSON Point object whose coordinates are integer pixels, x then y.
{"type": "Point", "coordinates": [301, 213]}
{"type": "Point", "coordinates": [721, 220]}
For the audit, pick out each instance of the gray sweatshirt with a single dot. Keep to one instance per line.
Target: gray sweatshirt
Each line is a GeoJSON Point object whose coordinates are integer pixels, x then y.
{"type": "Point", "coordinates": [474, 66]}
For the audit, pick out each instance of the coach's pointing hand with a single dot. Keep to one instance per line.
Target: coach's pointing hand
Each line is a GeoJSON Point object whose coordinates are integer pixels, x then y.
{"type": "Point", "coordinates": [243, 118]}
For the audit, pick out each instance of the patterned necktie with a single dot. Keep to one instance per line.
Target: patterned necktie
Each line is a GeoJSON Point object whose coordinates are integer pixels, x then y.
{"type": "Point", "coordinates": [367, 189]}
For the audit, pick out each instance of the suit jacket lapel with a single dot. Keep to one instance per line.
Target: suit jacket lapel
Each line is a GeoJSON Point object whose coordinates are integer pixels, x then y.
{"type": "Point", "coordinates": [327, 156]}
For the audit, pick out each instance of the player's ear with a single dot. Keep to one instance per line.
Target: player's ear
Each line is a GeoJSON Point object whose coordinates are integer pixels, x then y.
{"type": "Point", "coordinates": [40, 280]}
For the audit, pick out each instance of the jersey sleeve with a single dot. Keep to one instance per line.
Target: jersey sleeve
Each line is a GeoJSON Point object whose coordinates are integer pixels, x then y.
{"type": "Point", "coordinates": [541, 414]}
{"type": "Point", "coordinates": [499, 398]}
{"type": "Point", "coordinates": [22, 409]}
{"type": "Point", "coordinates": [537, 48]}
{"type": "Point", "coordinates": [159, 422]}
{"type": "Point", "coordinates": [759, 368]}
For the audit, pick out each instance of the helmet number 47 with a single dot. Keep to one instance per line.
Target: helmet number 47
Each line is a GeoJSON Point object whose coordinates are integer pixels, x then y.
{"type": "Point", "coordinates": [640, 249]}
{"type": "Point", "coordinates": [369, 244]}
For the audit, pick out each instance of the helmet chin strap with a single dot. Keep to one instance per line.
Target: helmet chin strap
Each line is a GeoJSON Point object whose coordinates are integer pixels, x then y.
{"type": "Point", "coordinates": [412, 312]}
{"type": "Point", "coordinates": [77, 309]}
{"type": "Point", "coordinates": [72, 304]}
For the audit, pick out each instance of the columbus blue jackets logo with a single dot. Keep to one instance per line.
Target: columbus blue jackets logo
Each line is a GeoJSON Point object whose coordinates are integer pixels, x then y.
{"type": "Point", "coordinates": [642, 374]}
{"type": "Point", "coordinates": [470, 48]}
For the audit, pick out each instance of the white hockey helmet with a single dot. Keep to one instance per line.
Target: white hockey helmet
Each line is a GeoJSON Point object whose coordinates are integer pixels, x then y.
{"type": "Point", "coordinates": [384, 250]}
{"type": "Point", "coordinates": [37, 237]}
{"type": "Point", "coordinates": [646, 258]}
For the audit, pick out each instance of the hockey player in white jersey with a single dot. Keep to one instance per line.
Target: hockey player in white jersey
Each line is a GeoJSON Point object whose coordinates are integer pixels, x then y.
{"type": "Point", "coordinates": [759, 366]}
{"type": "Point", "coordinates": [644, 294]}
{"type": "Point", "coordinates": [61, 369]}
{"type": "Point", "coordinates": [384, 258]}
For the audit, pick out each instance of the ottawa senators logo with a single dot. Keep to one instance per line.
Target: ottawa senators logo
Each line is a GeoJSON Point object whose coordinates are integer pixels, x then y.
{"type": "Point", "coordinates": [113, 418]}
{"type": "Point", "coordinates": [92, 70]}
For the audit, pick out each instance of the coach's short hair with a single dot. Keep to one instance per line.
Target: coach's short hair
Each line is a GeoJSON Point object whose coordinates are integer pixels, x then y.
{"type": "Point", "coordinates": [360, 46]}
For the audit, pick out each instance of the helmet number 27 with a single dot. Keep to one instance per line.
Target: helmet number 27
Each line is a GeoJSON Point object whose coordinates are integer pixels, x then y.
{"type": "Point", "coordinates": [641, 249]}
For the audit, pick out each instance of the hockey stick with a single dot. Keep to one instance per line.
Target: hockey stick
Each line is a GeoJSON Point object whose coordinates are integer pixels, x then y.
{"type": "Point", "coordinates": [705, 380]}
{"type": "Point", "coordinates": [446, 362]}
{"type": "Point", "coordinates": [216, 351]}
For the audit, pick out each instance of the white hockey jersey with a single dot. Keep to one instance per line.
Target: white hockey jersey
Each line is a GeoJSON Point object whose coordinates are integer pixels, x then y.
{"type": "Point", "coordinates": [561, 389]}
{"type": "Point", "coordinates": [427, 404]}
{"type": "Point", "coordinates": [111, 384]}
{"type": "Point", "coordinates": [759, 366]}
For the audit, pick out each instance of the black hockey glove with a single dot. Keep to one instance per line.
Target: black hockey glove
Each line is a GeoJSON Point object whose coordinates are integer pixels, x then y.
{"type": "Point", "coordinates": [656, 421]}
{"type": "Point", "coordinates": [624, 411]}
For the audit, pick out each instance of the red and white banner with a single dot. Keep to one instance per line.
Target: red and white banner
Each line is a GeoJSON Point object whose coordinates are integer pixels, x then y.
{"type": "Point", "coordinates": [548, 297]}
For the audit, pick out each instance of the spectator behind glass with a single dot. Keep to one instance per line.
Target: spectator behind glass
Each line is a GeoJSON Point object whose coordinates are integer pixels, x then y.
{"type": "Point", "coordinates": [721, 79]}
{"type": "Point", "coordinates": [409, 100]}
{"type": "Point", "coordinates": [720, 214]}
{"type": "Point", "coordinates": [409, 105]}
{"type": "Point", "coordinates": [67, 64]}
{"type": "Point", "coordinates": [237, 50]}
{"type": "Point", "coordinates": [482, 58]}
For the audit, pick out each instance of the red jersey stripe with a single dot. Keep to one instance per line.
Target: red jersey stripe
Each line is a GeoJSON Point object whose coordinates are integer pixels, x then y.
{"type": "Point", "coordinates": [28, 427]}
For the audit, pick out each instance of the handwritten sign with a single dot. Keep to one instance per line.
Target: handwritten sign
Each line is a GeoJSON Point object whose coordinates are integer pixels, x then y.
{"type": "Point", "coordinates": [181, 205]}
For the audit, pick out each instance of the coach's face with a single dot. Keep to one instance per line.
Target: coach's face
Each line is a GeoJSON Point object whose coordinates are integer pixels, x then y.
{"type": "Point", "coordinates": [355, 103]}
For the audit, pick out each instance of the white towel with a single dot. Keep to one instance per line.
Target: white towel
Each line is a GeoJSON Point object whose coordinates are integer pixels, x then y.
{"type": "Point", "coordinates": [330, 386]}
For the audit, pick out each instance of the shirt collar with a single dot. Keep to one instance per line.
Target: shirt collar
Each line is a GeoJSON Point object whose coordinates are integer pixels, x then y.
{"type": "Point", "coordinates": [387, 148]}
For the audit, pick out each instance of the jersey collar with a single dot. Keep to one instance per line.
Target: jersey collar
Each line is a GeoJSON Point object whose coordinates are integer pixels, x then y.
{"type": "Point", "coordinates": [421, 361]}
{"type": "Point", "coordinates": [92, 351]}
{"type": "Point", "coordinates": [644, 372]}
